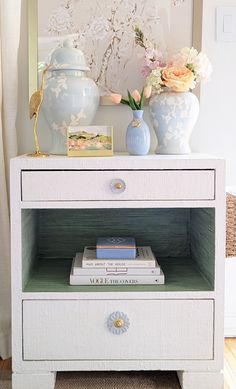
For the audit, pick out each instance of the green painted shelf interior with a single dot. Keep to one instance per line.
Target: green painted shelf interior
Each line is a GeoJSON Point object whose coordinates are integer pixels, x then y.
{"type": "Point", "coordinates": [183, 240]}
{"type": "Point", "coordinates": [51, 275]}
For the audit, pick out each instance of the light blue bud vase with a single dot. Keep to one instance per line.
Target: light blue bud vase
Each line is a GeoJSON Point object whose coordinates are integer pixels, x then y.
{"type": "Point", "coordinates": [138, 135]}
{"type": "Point", "coordinates": [70, 97]}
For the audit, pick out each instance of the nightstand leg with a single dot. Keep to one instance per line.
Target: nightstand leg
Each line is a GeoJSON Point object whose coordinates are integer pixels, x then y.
{"type": "Point", "coordinates": [39, 380]}
{"type": "Point", "coordinates": [201, 380]}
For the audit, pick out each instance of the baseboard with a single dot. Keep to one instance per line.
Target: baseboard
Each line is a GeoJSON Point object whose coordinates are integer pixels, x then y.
{"type": "Point", "coordinates": [230, 297]}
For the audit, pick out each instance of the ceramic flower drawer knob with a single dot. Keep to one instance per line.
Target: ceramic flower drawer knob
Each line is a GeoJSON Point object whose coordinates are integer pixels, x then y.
{"type": "Point", "coordinates": [118, 186]}
{"type": "Point", "coordinates": [118, 323]}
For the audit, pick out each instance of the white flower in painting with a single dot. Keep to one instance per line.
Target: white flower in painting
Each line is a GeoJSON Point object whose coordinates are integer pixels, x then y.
{"type": "Point", "coordinates": [127, 4]}
{"type": "Point", "coordinates": [99, 28]}
{"type": "Point", "coordinates": [177, 2]}
{"type": "Point", "coordinates": [60, 21]}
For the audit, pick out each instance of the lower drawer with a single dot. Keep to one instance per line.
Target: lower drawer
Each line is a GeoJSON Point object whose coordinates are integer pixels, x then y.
{"type": "Point", "coordinates": [142, 329]}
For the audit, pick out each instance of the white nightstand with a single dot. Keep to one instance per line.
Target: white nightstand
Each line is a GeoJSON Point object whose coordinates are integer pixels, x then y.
{"type": "Point", "coordinates": [176, 204]}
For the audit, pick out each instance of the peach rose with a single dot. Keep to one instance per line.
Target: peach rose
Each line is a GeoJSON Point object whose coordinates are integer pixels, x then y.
{"type": "Point", "coordinates": [179, 79]}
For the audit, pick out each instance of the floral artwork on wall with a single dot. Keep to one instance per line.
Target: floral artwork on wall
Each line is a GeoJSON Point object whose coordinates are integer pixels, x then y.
{"type": "Point", "coordinates": [104, 31]}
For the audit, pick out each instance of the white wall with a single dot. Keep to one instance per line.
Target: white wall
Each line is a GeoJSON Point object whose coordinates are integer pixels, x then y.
{"type": "Point", "coordinates": [215, 131]}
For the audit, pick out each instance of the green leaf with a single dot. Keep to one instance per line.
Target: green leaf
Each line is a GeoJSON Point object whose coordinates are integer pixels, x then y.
{"type": "Point", "coordinates": [131, 101]}
{"type": "Point", "coordinates": [142, 99]}
{"type": "Point", "coordinates": [136, 105]}
{"type": "Point", "coordinates": [124, 101]}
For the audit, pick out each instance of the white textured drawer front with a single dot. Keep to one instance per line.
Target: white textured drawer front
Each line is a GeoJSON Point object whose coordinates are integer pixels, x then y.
{"type": "Point", "coordinates": [132, 185]}
{"type": "Point", "coordinates": [158, 329]}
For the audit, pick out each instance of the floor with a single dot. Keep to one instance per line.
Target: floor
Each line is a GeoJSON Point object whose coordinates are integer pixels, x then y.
{"type": "Point", "coordinates": [230, 363]}
{"type": "Point", "coordinates": [229, 370]}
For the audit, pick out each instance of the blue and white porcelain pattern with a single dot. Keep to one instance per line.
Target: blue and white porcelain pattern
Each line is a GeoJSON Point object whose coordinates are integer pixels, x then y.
{"type": "Point", "coordinates": [70, 97]}
{"type": "Point", "coordinates": [173, 116]}
{"type": "Point", "coordinates": [112, 320]}
{"type": "Point", "coordinates": [138, 135]}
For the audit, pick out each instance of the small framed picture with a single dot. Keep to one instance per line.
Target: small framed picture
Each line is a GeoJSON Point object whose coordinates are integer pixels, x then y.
{"type": "Point", "coordinates": [90, 141]}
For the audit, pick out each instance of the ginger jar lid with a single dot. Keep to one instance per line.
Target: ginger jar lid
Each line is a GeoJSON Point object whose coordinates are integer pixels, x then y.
{"type": "Point", "coordinates": [68, 58]}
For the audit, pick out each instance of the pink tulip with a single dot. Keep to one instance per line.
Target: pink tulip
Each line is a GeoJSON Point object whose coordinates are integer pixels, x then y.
{"type": "Point", "coordinates": [115, 98]}
{"type": "Point", "coordinates": [147, 91]}
{"type": "Point", "coordinates": [136, 95]}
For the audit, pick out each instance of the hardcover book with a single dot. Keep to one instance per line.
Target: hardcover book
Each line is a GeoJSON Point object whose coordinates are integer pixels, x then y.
{"type": "Point", "coordinates": [144, 258]}
{"type": "Point", "coordinates": [116, 248]}
{"type": "Point", "coordinates": [116, 279]}
{"type": "Point", "coordinates": [79, 270]}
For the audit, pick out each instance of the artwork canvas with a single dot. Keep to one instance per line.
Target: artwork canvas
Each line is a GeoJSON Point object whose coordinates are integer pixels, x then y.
{"type": "Point", "coordinates": [104, 31]}
{"type": "Point", "coordinates": [90, 141]}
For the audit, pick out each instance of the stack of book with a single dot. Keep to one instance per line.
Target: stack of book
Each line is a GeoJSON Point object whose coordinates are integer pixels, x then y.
{"type": "Point", "coordinates": [88, 269]}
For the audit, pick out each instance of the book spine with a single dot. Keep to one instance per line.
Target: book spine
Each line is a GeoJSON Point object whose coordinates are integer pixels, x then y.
{"type": "Point", "coordinates": [87, 263]}
{"type": "Point", "coordinates": [116, 271]}
{"type": "Point", "coordinates": [117, 280]}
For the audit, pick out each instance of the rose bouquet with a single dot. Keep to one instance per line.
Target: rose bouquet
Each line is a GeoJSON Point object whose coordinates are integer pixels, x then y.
{"type": "Point", "coordinates": [180, 73]}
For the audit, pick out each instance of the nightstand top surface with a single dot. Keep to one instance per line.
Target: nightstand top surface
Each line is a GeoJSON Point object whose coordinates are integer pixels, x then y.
{"type": "Point", "coordinates": [119, 161]}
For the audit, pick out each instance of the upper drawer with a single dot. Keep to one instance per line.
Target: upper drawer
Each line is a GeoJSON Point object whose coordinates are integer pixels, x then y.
{"type": "Point", "coordinates": [66, 185]}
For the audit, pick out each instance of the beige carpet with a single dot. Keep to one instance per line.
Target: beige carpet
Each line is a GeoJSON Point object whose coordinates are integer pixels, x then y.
{"type": "Point", "coordinates": [111, 380]}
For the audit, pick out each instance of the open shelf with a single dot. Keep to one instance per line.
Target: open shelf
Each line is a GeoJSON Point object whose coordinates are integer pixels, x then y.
{"type": "Point", "coordinates": [53, 276]}
{"type": "Point", "coordinates": [183, 240]}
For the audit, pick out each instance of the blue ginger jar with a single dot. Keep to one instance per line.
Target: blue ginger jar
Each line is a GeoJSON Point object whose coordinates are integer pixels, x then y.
{"type": "Point", "coordinates": [173, 116]}
{"type": "Point", "coordinates": [138, 135]}
{"type": "Point", "coordinates": [70, 97]}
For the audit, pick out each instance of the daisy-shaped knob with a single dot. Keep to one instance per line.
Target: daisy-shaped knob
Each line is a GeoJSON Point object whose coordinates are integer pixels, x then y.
{"type": "Point", "coordinates": [118, 323]}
